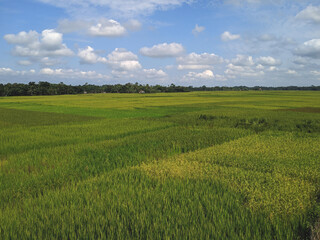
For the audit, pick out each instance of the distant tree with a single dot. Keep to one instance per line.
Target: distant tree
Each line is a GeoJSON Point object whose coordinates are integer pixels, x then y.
{"type": "Point", "coordinates": [2, 92]}
{"type": "Point", "coordinates": [46, 88]}
{"type": "Point", "coordinates": [32, 88]}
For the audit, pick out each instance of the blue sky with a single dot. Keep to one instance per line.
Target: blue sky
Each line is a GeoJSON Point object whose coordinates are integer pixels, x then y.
{"type": "Point", "coordinates": [185, 42]}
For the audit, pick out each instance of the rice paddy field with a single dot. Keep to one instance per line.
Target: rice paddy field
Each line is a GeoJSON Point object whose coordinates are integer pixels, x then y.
{"type": "Point", "coordinates": [200, 165]}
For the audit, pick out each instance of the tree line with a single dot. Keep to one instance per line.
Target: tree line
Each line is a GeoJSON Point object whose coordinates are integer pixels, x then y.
{"type": "Point", "coordinates": [46, 88]}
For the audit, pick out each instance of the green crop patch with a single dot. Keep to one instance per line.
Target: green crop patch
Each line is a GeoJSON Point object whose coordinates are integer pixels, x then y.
{"type": "Point", "coordinates": [32, 118]}
{"type": "Point", "coordinates": [198, 165]}
{"type": "Point", "coordinates": [303, 110]}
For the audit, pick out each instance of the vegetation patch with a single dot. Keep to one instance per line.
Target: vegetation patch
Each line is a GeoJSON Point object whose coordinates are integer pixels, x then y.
{"type": "Point", "coordinates": [304, 109]}
{"type": "Point", "coordinates": [33, 118]}
{"type": "Point", "coordinates": [315, 235]}
{"type": "Point", "coordinates": [199, 165]}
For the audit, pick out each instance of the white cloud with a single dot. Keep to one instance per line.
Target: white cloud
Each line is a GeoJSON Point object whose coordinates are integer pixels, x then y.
{"type": "Point", "coordinates": [268, 61]}
{"type": "Point", "coordinates": [207, 74]}
{"type": "Point", "coordinates": [22, 38]}
{"type": "Point", "coordinates": [51, 40]}
{"type": "Point", "coordinates": [15, 73]}
{"type": "Point", "coordinates": [98, 28]}
{"type": "Point", "coordinates": [153, 73]}
{"type": "Point", "coordinates": [4, 71]}
{"type": "Point", "coordinates": [227, 36]}
{"type": "Point", "coordinates": [127, 65]}
{"type": "Point", "coordinates": [242, 60]}
{"type": "Point", "coordinates": [107, 28]}
{"type": "Point", "coordinates": [310, 49]}
{"type": "Point", "coordinates": [121, 54]}
{"type": "Point", "coordinates": [292, 72]}
{"type": "Point", "coordinates": [47, 71]}
{"type": "Point", "coordinates": [35, 46]}
{"type": "Point", "coordinates": [316, 73]}
{"type": "Point", "coordinates": [140, 74]}
{"type": "Point", "coordinates": [122, 60]}
{"type": "Point", "coordinates": [198, 61]}
{"type": "Point", "coordinates": [197, 29]}
{"type": "Point", "coordinates": [272, 69]}
{"type": "Point", "coordinates": [234, 71]}
{"type": "Point", "coordinates": [193, 67]}
{"type": "Point", "coordinates": [71, 73]}
{"type": "Point", "coordinates": [122, 8]}
{"type": "Point", "coordinates": [52, 75]}
{"type": "Point", "coordinates": [46, 61]}
{"type": "Point", "coordinates": [311, 14]}
{"type": "Point", "coordinates": [89, 56]}
{"type": "Point", "coordinates": [163, 50]}
{"type": "Point", "coordinates": [259, 67]}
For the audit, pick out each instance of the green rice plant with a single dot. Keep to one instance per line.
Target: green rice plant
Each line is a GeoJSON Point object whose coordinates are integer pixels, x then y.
{"type": "Point", "coordinates": [200, 165]}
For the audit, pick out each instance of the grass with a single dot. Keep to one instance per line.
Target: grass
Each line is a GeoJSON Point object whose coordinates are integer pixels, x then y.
{"type": "Point", "coordinates": [200, 165]}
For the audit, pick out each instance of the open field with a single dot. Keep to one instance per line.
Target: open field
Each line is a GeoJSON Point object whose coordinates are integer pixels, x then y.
{"type": "Point", "coordinates": [200, 165]}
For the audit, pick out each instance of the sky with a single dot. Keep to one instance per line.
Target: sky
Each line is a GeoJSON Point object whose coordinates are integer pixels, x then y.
{"type": "Point", "coordinates": [184, 42]}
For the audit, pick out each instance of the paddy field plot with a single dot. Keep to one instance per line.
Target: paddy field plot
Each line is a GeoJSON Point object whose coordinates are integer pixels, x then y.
{"type": "Point", "coordinates": [200, 165]}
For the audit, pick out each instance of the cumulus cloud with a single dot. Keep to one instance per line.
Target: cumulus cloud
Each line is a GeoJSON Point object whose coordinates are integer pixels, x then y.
{"type": "Point", "coordinates": [35, 46]}
{"type": "Point", "coordinates": [125, 65]}
{"type": "Point", "coordinates": [5, 71]}
{"type": "Point", "coordinates": [153, 73]}
{"type": "Point", "coordinates": [198, 61]}
{"type": "Point", "coordinates": [71, 73]}
{"type": "Point", "coordinates": [22, 38]}
{"type": "Point", "coordinates": [51, 40]}
{"type": "Point", "coordinates": [242, 60]}
{"type": "Point", "coordinates": [123, 60]}
{"type": "Point", "coordinates": [292, 72]}
{"type": "Point", "coordinates": [46, 61]}
{"type": "Point", "coordinates": [140, 75]}
{"type": "Point", "coordinates": [163, 50]}
{"type": "Point", "coordinates": [268, 61]}
{"type": "Point", "coordinates": [98, 28]}
{"type": "Point", "coordinates": [89, 56]}
{"type": "Point", "coordinates": [315, 73]}
{"type": "Point", "coordinates": [11, 72]}
{"type": "Point", "coordinates": [227, 36]}
{"type": "Point", "coordinates": [207, 74]}
{"type": "Point", "coordinates": [234, 71]}
{"type": "Point", "coordinates": [260, 67]}
{"type": "Point", "coordinates": [48, 71]}
{"type": "Point", "coordinates": [52, 74]}
{"type": "Point", "coordinates": [309, 49]}
{"type": "Point", "coordinates": [272, 69]}
{"type": "Point", "coordinates": [107, 28]}
{"type": "Point", "coordinates": [310, 14]}
{"type": "Point", "coordinates": [197, 29]}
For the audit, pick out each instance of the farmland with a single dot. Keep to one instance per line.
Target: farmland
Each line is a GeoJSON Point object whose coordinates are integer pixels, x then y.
{"type": "Point", "coordinates": [199, 165]}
